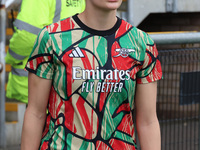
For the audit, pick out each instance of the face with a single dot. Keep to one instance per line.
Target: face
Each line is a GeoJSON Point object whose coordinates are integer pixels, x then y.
{"type": "Point", "coordinates": [105, 4]}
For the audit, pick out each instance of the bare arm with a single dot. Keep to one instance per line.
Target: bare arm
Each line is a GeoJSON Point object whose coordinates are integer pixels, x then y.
{"type": "Point", "coordinates": [146, 119]}
{"type": "Point", "coordinates": [35, 114]}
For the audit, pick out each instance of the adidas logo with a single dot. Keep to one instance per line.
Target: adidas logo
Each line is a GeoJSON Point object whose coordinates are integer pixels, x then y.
{"type": "Point", "coordinates": [76, 53]}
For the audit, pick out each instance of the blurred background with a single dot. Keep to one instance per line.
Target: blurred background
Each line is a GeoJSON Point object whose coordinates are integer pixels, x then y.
{"type": "Point", "coordinates": [175, 27]}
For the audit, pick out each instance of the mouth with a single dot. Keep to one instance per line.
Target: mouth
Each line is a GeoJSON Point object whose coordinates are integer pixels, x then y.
{"type": "Point", "coordinates": [112, 0]}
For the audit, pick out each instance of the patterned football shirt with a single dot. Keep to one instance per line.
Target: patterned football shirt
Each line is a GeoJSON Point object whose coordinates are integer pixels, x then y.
{"type": "Point", "coordinates": [94, 76]}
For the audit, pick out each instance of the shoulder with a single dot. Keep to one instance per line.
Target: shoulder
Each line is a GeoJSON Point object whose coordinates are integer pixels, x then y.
{"type": "Point", "coordinates": [136, 34]}
{"type": "Point", "coordinates": [61, 26]}
{"type": "Point", "coordinates": [142, 36]}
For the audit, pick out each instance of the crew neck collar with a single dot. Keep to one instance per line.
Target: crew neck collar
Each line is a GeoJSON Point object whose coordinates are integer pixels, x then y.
{"type": "Point", "coordinates": [98, 32]}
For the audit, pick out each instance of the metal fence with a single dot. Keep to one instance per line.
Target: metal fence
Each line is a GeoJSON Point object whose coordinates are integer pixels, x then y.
{"type": "Point", "coordinates": [178, 99]}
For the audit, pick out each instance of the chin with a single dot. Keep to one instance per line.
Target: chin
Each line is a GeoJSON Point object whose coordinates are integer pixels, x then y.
{"type": "Point", "coordinates": [106, 4]}
{"type": "Point", "coordinates": [113, 6]}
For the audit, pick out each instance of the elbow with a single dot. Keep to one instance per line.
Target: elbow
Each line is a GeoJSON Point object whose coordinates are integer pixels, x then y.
{"type": "Point", "coordinates": [39, 115]}
{"type": "Point", "coordinates": [145, 121]}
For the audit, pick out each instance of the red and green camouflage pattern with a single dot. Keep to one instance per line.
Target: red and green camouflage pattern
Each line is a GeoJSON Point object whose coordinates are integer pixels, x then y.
{"type": "Point", "coordinates": [94, 79]}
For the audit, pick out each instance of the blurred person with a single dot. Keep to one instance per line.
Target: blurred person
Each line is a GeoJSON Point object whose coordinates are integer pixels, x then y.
{"type": "Point", "coordinates": [91, 71]}
{"type": "Point", "coordinates": [32, 17]}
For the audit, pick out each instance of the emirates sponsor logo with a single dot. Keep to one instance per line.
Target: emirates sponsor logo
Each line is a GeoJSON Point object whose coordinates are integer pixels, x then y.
{"type": "Point", "coordinates": [108, 79]}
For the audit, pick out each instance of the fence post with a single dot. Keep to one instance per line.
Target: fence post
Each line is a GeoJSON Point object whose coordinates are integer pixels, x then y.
{"type": "Point", "coordinates": [2, 73]}
{"type": "Point", "coordinates": [130, 12]}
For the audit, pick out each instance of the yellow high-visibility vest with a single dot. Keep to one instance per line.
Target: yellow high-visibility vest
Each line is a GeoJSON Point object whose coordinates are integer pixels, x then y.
{"type": "Point", "coordinates": [32, 17]}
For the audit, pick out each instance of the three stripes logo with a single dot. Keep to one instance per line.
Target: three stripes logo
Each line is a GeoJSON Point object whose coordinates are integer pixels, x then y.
{"type": "Point", "coordinates": [76, 53]}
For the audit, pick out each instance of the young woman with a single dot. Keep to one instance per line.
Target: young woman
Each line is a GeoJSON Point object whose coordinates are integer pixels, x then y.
{"type": "Point", "coordinates": [84, 70]}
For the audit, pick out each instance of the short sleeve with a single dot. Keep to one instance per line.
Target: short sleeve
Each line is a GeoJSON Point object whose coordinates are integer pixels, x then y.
{"type": "Point", "coordinates": [40, 61]}
{"type": "Point", "coordinates": [150, 70]}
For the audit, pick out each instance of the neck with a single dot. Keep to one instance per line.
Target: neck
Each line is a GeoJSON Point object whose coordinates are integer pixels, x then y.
{"type": "Point", "coordinates": [98, 19]}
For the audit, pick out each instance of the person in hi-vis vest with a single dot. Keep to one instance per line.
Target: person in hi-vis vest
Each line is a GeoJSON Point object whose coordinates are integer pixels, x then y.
{"type": "Point", "coordinates": [33, 16]}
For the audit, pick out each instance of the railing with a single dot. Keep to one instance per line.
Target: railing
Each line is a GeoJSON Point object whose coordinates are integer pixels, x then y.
{"type": "Point", "coordinates": [178, 104]}
{"type": "Point", "coordinates": [176, 38]}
